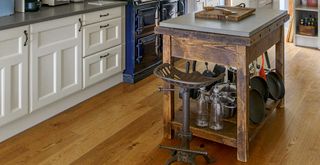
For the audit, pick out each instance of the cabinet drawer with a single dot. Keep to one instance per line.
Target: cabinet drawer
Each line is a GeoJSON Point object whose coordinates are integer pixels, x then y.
{"type": "Point", "coordinates": [102, 15]}
{"type": "Point", "coordinates": [101, 36]}
{"type": "Point", "coordinates": [12, 41]}
{"type": "Point", "coordinates": [102, 65]}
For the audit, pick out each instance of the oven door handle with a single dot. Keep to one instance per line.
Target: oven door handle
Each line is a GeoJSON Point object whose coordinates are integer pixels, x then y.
{"type": "Point", "coordinates": [157, 45]}
{"type": "Point", "coordinates": [164, 13]}
{"type": "Point", "coordinates": [139, 52]}
{"type": "Point", "coordinates": [182, 6]}
{"type": "Point", "coordinates": [139, 21]}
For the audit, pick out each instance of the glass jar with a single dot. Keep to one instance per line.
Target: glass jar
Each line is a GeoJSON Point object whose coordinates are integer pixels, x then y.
{"type": "Point", "coordinates": [216, 113]}
{"type": "Point", "coordinates": [203, 110]}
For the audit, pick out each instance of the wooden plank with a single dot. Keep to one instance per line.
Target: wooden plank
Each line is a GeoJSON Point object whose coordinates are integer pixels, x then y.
{"type": "Point", "coordinates": [168, 96]}
{"type": "Point", "coordinates": [243, 77]}
{"type": "Point", "coordinates": [264, 44]}
{"type": "Point", "coordinates": [268, 30]}
{"type": "Point", "coordinates": [290, 31]}
{"type": "Point", "coordinates": [204, 51]}
{"type": "Point", "coordinates": [280, 58]}
{"type": "Point", "coordinates": [210, 37]}
{"type": "Point", "coordinates": [225, 136]}
{"type": "Point", "coordinates": [220, 14]}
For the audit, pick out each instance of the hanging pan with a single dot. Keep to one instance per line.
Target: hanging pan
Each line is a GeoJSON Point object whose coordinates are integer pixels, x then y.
{"type": "Point", "coordinates": [259, 84]}
{"type": "Point", "coordinates": [275, 85]}
{"type": "Point", "coordinates": [257, 107]}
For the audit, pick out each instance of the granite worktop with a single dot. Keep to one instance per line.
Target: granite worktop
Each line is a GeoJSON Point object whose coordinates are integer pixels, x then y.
{"type": "Point", "coordinates": [49, 13]}
{"type": "Point", "coordinates": [245, 28]}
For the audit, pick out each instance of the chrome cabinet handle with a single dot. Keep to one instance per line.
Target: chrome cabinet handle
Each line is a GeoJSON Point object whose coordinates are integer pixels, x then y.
{"type": "Point", "coordinates": [104, 26]}
{"type": "Point", "coordinates": [81, 24]}
{"type": "Point", "coordinates": [105, 56]}
{"type": "Point", "coordinates": [104, 15]}
{"type": "Point", "coordinates": [27, 38]}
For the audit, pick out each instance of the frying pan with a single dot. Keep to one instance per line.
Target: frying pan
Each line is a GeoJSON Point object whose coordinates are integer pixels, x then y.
{"type": "Point", "coordinates": [259, 84]}
{"type": "Point", "coordinates": [275, 85]}
{"type": "Point", "coordinates": [257, 107]}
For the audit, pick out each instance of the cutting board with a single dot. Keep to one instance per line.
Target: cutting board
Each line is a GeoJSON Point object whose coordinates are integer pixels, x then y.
{"type": "Point", "coordinates": [225, 13]}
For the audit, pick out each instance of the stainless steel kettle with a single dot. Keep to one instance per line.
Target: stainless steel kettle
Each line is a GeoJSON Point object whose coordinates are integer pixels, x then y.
{"type": "Point", "coordinates": [32, 5]}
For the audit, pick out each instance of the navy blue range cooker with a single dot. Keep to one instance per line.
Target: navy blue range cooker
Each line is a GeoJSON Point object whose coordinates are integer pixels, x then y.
{"type": "Point", "coordinates": [143, 47]}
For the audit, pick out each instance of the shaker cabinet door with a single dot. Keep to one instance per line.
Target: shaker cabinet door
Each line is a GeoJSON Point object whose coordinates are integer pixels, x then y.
{"type": "Point", "coordinates": [13, 74]}
{"type": "Point", "coordinates": [102, 65]}
{"type": "Point", "coordinates": [55, 60]}
{"type": "Point", "coordinates": [101, 36]}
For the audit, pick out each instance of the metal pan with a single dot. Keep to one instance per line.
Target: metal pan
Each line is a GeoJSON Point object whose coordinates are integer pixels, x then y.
{"type": "Point", "coordinates": [259, 84]}
{"type": "Point", "coordinates": [275, 85]}
{"type": "Point", "coordinates": [257, 107]}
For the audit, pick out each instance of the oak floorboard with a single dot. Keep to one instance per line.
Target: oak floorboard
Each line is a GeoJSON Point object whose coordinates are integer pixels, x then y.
{"type": "Point", "coordinates": [123, 125]}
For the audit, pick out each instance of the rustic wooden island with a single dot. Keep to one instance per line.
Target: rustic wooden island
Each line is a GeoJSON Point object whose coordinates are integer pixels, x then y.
{"type": "Point", "coordinates": [234, 44]}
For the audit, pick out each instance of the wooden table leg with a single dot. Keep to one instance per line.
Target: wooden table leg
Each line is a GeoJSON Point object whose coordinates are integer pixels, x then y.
{"type": "Point", "coordinates": [168, 96]}
{"type": "Point", "coordinates": [280, 58]}
{"type": "Point", "coordinates": [242, 104]}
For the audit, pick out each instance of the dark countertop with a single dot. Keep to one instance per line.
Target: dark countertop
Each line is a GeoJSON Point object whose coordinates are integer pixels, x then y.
{"type": "Point", "coordinates": [50, 13]}
{"type": "Point", "coordinates": [245, 28]}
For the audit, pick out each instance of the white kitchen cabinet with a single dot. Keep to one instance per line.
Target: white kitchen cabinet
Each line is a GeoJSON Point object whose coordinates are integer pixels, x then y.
{"type": "Point", "coordinates": [101, 36]}
{"type": "Point", "coordinates": [102, 15]}
{"type": "Point", "coordinates": [55, 60]}
{"type": "Point", "coordinates": [102, 65]}
{"type": "Point", "coordinates": [13, 74]}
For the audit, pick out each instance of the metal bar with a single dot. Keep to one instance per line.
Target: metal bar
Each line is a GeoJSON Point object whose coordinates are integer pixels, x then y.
{"type": "Point", "coordinates": [184, 150]}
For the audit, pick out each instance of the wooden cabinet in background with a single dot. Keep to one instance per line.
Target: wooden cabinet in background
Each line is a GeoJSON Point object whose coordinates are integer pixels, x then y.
{"type": "Point", "coordinates": [55, 60]}
{"type": "Point", "coordinates": [13, 74]}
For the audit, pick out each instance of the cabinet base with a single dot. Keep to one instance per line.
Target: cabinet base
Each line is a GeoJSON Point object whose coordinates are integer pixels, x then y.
{"type": "Point", "coordinates": [129, 78]}
{"type": "Point", "coordinates": [53, 109]}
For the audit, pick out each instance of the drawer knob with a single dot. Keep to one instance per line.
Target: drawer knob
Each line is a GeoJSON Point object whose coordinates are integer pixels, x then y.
{"type": "Point", "coordinates": [104, 26]}
{"type": "Point", "coordinates": [104, 15]}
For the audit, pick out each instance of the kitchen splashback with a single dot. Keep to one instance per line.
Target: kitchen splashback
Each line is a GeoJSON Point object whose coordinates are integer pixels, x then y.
{"type": "Point", "coordinates": [6, 7]}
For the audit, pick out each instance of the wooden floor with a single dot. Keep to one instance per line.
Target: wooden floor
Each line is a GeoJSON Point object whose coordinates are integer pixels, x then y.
{"type": "Point", "coordinates": [123, 126]}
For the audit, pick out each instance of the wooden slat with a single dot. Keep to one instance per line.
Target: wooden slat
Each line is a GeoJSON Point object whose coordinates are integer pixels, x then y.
{"type": "Point", "coordinates": [218, 14]}
{"type": "Point", "coordinates": [168, 96]}
{"type": "Point", "coordinates": [262, 45]}
{"type": "Point", "coordinates": [243, 76]}
{"type": "Point", "coordinates": [280, 57]}
{"type": "Point", "coordinates": [268, 30]}
{"type": "Point", "coordinates": [210, 37]}
{"type": "Point", "coordinates": [199, 50]}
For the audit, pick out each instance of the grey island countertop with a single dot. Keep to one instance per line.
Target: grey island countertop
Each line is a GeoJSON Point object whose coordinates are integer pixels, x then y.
{"type": "Point", "coordinates": [50, 13]}
{"type": "Point", "coordinates": [245, 28]}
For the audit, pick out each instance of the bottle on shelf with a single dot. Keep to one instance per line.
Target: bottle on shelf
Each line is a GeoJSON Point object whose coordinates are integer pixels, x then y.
{"type": "Point", "coordinates": [308, 25]}
{"type": "Point", "coordinates": [312, 3]}
{"type": "Point", "coordinates": [304, 2]}
{"type": "Point", "coordinates": [203, 109]}
{"type": "Point", "coordinates": [216, 113]}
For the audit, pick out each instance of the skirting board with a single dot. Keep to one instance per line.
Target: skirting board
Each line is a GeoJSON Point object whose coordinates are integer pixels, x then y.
{"type": "Point", "coordinates": [53, 109]}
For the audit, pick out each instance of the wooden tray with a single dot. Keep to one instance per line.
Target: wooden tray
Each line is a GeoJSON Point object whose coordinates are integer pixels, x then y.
{"type": "Point", "coordinates": [307, 30]}
{"type": "Point", "coordinates": [217, 13]}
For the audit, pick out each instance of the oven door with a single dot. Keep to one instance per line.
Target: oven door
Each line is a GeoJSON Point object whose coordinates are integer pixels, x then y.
{"type": "Point", "coordinates": [169, 9]}
{"type": "Point", "coordinates": [145, 20]}
{"type": "Point", "coordinates": [145, 53]}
